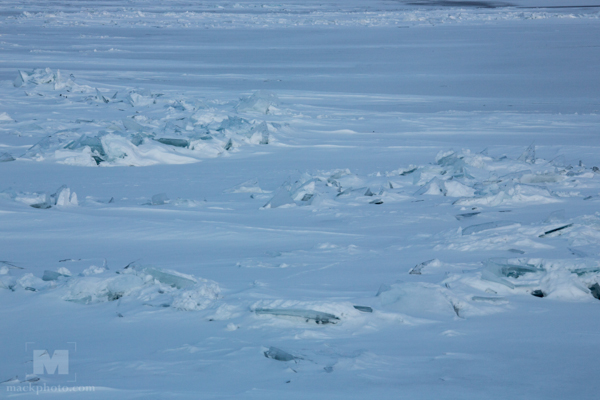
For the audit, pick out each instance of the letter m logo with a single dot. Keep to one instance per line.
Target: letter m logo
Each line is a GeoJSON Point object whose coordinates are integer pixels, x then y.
{"type": "Point", "coordinates": [42, 359]}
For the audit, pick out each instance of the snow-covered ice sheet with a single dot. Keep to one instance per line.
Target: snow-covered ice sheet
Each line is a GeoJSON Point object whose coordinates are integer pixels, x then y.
{"type": "Point", "coordinates": [383, 199]}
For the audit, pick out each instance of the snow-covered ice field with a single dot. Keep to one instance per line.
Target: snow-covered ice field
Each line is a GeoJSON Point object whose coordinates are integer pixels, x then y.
{"type": "Point", "coordinates": [300, 199]}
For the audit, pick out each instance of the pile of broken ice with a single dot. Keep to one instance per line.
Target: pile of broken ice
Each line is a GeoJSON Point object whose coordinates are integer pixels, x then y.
{"type": "Point", "coordinates": [474, 180]}
{"type": "Point", "coordinates": [158, 129]}
{"type": "Point", "coordinates": [132, 285]}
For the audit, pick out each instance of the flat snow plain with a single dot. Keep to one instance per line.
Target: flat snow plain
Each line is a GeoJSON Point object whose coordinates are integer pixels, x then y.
{"type": "Point", "coordinates": [194, 196]}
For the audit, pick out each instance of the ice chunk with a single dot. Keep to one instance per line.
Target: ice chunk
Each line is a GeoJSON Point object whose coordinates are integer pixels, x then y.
{"type": "Point", "coordinates": [174, 142]}
{"type": "Point", "coordinates": [131, 125]}
{"type": "Point", "coordinates": [159, 199]}
{"type": "Point", "coordinates": [44, 205]}
{"type": "Point", "coordinates": [451, 188]}
{"type": "Point", "coordinates": [516, 251]}
{"type": "Point", "coordinates": [503, 268]}
{"type": "Point", "coordinates": [528, 155]}
{"type": "Point", "coordinates": [21, 79]}
{"type": "Point", "coordinates": [541, 178]}
{"type": "Point", "coordinates": [37, 77]}
{"type": "Point", "coordinates": [488, 275]}
{"type": "Point", "coordinates": [496, 270]}
{"type": "Point", "coordinates": [5, 118]}
{"type": "Point", "coordinates": [551, 231]}
{"type": "Point", "coordinates": [281, 198]}
{"type": "Point", "coordinates": [101, 98]}
{"type": "Point", "coordinates": [93, 142]}
{"type": "Point", "coordinates": [11, 381]}
{"type": "Point", "coordinates": [139, 100]}
{"type": "Point", "coordinates": [364, 309]}
{"type": "Point", "coordinates": [169, 278]}
{"type": "Point", "coordinates": [260, 134]}
{"type": "Point", "coordinates": [435, 187]}
{"type": "Point", "coordinates": [279, 355]}
{"type": "Point", "coordinates": [263, 101]}
{"type": "Point", "coordinates": [316, 316]}
{"type": "Point", "coordinates": [538, 293]}
{"type": "Point", "coordinates": [595, 290]}
{"type": "Point", "coordinates": [53, 276]}
{"type": "Point", "coordinates": [487, 226]}
{"type": "Point", "coordinates": [416, 270]}
{"type": "Point", "coordinates": [5, 157]}
{"type": "Point", "coordinates": [445, 157]}
{"type": "Point", "coordinates": [235, 124]}
{"type": "Point", "coordinates": [486, 299]}
{"type": "Point", "coordinates": [466, 215]}
{"type": "Point", "coordinates": [64, 197]}
{"type": "Point", "coordinates": [88, 290]}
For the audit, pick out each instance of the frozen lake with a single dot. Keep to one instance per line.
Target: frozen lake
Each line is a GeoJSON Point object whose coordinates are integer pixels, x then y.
{"type": "Point", "coordinates": [393, 199]}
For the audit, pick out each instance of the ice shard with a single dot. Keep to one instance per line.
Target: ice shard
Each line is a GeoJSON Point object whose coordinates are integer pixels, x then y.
{"type": "Point", "coordinates": [528, 155]}
{"type": "Point", "coordinates": [595, 290]}
{"type": "Point", "coordinates": [487, 226]}
{"type": "Point", "coordinates": [466, 215]}
{"type": "Point", "coordinates": [131, 125]}
{"type": "Point", "coordinates": [5, 157]}
{"type": "Point", "coordinates": [100, 97]}
{"type": "Point", "coordinates": [173, 280]}
{"type": "Point", "coordinates": [279, 355]}
{"type": "Point", "coordinates": [364, 309]}
{"type": "Point", "coordinates": [184, 143]}
{"type": "Point", "coordinates": [416, 270]}
{"type": "Point", "coordinates": [538, 293]}
{"type": "Point", "coordinates": [52, 276]}
{"type": "Point", "coordinates": [281, 198]}
{"type": "Point", "coordinates": [551, 231]}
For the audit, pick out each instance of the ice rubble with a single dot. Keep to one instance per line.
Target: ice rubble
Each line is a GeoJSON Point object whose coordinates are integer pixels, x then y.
{"type": "Point", "coordinates": [39, 77]}
{"type": "Point", "coordinates": [165, 129]}
{"type": "Point", "coordinates": [63, 197]}
{"type": "Point", "coordinates": [235, 15]}
{"type": "Point", "coordinates": [558, 279]}
{"type": "Point", "coordinates": [471, 180]}
{"type": "Point", "coordinates": [146, 285]}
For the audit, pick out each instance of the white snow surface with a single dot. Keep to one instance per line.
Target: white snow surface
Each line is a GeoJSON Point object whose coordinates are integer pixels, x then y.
{"type": "Point", "coordinates": [317, 199]}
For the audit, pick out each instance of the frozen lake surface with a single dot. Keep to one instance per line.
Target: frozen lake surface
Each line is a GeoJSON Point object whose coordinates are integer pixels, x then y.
{"type": "Point", "coordinates": [380, 199]}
